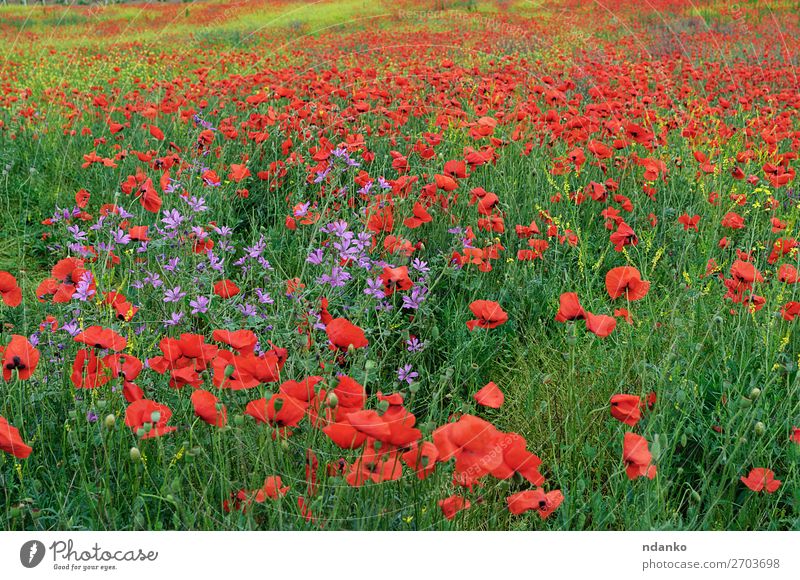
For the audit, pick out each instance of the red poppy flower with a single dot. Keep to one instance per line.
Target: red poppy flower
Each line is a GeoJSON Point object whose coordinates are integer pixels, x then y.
{"type": "Point", "coordinates": [148, 418]}
{"type": "Point", "coordinates": [535, 499]}
{"type": "Point", "coordinates": [569, 308]}
{"type": "Point", "coordinates": [273, 487]}
{"type": "Point", "coordinates": [123, 365]}
{"type": "Point", "coordinates": [395, 279]}
{"type": "Point", "coordinates": [626, 408]}
{"type": "Point", "coordinates": [637, 457]}
{"type": "Point", "coordinates": [279, 411]}
{"type": "Point", "coordinates": [450, 506]}
{"type": "Point", "coordinates": [208, 408]}
{"type": "Point", "coordinates": [242, 340]}
{"type": "Point", "coordinates": [489, 314]}
{"type": "Point", "coordinates": [226, 289]}
{"type": "Point", "coordinates": [11, 442]}
{"type": "Point", "coordinates": [10, 292]}
{"type": "Point", "coordinates": [100, 337]}
{"type": "Point", "coordinates": [626, 281]}
{"type": "Point", "coordinates": [21, 356]}
{"type": "Point", "coordinates": [342, 333]}
{"type": "Point", "coordinates": [422, 458]}
{"type": "Point", "coordinates": [600, 324]}
{"type": "Point", "coordinates": [761, 479]}
{"type": "Point", "coordinates": [490, 396]}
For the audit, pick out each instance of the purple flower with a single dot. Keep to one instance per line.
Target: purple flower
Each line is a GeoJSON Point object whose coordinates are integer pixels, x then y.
{"type": "Point", "coordinates": [172, 219]}
{"type": "Point", "coordinates": [375, 288]}
{"type": "Point", "coordinates": [420, 266]}
{"type": "Point", "coordinates": [405, 373]}
{"type": "Point", "coordinates": [316, 257]}
{"type": "Point", "coordinates": [263, 297]}
{"type": "Point", "coordinates": [247, 309]}
{"type": "Point", "coordinates": [91, 416]}
{"type": "Point", "coordinates": [337, 277]}
{"type": "Point", "coordinates": [174, 319]}
{"type": "Point", "coordinates": [83, 290]}
{"type": "Point", "coordinates": [121, 238]}
{"type": "Point", "coordinates": [414, 344]}
{"type": "Point", "coordinates": [153, 279]}
{"type": "Point", "coordinates": [77, 233]}
{"type": "Point", "coordinates": [415, 297]}
{"type": "Point", "coordinates": [172, 264]}
{"type": "Point", "coordinates": [174, 295]}
{"type": "Point", "coordinates": [72, 328]}
{"type": "Point", "coordinates": [197, 204]}
{"type": "Point", "coordinates": [199, 305]}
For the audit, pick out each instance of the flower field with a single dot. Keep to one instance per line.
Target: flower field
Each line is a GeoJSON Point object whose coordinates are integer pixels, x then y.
{"type": "Point", "coordinates": [476, 265]}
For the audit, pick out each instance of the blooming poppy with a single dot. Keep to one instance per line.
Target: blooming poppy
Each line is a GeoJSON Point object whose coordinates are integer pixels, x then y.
{"type": "Point", "coordinates": [626, 408]}
{"type": "Point", "coordinates": [21, 356]}
{"type": "Point", "coordinates": [569, 308]}
{"type": "Point", "coordinates": [148, 418]}
{"type": "Point", "coordinates": [626, 281]}
{"type": "Point", "coordinates": [637, 457]}
{"type": "Point", "coordinates": [10, 292]}
{"type": "Point", "coordinates": [490, 396]}
{"type": "Point", "coordinates": [395, 279]}
{"type": "Point", "coordinates": [208, 408]}
{"type": "Point", "coordinates": [11, 442]}
{"type": "Point", "coordinates": [104, 338]}
{"type": "Point", "coordinates": [761, 479]}
{"type": "Point", "coordinates": [489, 314]}
{"type": "Point", "coordinates": [226, 289]}
{"type": "Point", "coordinates": [343, 334]}
{"type": "Point", "coordinates": [600, 324]}
{"type": "Point", "coordinates": [450, 506]}
{"type": "Point", "coordinates": [535, 499]}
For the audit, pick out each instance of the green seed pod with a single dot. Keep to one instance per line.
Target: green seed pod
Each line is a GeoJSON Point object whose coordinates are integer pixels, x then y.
{"type": "Point", "coordinates": [109, 421]}
{"type": "Point", "coordinates": [155, 416]}
{"type": "Point", "coordinates": [135, 454]}
{"type": "Point", "coordinates": [759, 428]}
{"type": "Point", "coordinates": [333, 400]}
{"type": "Point", "coordinates": [755, 393]}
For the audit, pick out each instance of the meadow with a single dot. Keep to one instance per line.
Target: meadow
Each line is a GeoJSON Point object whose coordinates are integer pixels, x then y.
{"type": "Point", "coordinates": [478, 265]}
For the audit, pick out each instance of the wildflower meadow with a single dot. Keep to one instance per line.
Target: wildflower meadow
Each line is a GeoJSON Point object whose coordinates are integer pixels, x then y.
{"type": "Point", "coordinates": [407, 265]}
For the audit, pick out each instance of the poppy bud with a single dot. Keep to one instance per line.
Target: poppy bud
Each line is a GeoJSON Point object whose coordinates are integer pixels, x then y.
{"type": "Point", "coordinates": [285, 444]}
{"type": "Point", "coordinates": [413, 387]}
{"type": "Point", "coordinates": [147, 427]}
{"type": "Point", "coordinates": [155, 416]}
{"type": "Point", "coordinates": [760, 428]}
{"type": "Point", "coordinates": [170, 498]}
{"type": "Point", "coordinates": [135, 454]}
{"type": "Point", "coordinates": [351, 349]}
{"type": "Point", "coordinates": [109, 421]}
{"type": "Point", "coordinates": [382, 406]}
{"type": "Point", "coordinates": [278, 405]}
{"type": "Point", "coordinates": [229, 370]}
{"type": "Point", "coordinates": [377, 445]}
{"type": "Point", "coordinates": [140, 432]}
{"type": "Point", "coordinates": [696, 497]}
{"type": "Point", "coordinates": [754, 394]}
{"type": "Point", "coordinates": [333, 400]}
{"type": "Point", "coordinates": [238, 420]}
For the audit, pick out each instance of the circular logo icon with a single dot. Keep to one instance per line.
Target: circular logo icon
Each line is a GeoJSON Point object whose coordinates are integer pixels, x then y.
{"type": "Point", "coordinates": [31, 553]}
